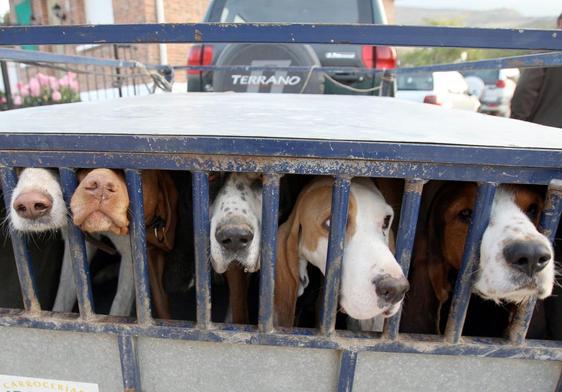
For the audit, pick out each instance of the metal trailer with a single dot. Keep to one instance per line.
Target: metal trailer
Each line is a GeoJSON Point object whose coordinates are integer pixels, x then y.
{"type": "Point", "coordinates": [152, 355]}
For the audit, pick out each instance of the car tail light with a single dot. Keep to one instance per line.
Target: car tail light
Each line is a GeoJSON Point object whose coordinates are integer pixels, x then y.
{"type": "Point", "coordinates": [378, 57]}
{"type": "Point", "coordinates": [500, 83]}
{"type": "Point", "coordinates": [199, 55]}
{"type": "Point", "coordinates": [432, 100]}
{"type": "Point", "coordinates": [385, 57]}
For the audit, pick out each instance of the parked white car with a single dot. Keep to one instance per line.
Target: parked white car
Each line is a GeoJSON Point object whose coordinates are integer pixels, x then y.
{"type": "Point", "coordinates": [499, 86]}
{"type": "Point", "coordinates": [447, 89]}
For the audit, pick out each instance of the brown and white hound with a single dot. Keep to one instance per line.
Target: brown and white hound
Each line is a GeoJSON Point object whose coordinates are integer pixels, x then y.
{"type": "Point", "coordinates": [100, 205]}
{"type": "Point", "coordinates": [372, 282]}
{"type": "Point", "coordinates": [516, 261]}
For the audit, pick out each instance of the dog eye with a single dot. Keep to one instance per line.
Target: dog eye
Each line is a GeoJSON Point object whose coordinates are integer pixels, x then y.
{"type": "Point", "coordinates": [465, 215]}
{"type": "Point", "coordinates": [532, 211]}
{"type": "Point", "coordinates": [326, 224]}
{"type": "Point", "coordinates": [386, 222]}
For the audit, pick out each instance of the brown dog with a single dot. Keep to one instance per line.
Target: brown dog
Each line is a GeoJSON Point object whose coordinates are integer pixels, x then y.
{"type": "Point", "coordinates": [515, 260]}
{"type": "Point", "coordinates": [100, 204]}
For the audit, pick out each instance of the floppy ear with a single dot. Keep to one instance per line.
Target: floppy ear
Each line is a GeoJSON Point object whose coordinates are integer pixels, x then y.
{"type": "Point", "coordinates": [161, 231]}
{"type": "Point", "coordinates": [287, 269]}
{"type": "Point", "coordinates": [437, 268]}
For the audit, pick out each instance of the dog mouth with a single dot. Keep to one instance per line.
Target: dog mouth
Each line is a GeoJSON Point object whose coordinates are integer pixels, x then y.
{"type": "Point", "coordinates": [98, 221]}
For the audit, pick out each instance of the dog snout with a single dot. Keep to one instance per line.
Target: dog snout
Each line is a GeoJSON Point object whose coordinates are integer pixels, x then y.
{"type": "Point", "coordinates": [234, 237]}
{"type": "Point", "coordinates": [99, 186]}
{"type": "Point", "coordinates": [529, 257]}
{"type": "Point", "coordinates": [391, 290]}
{"type": "Point", "coordinates": [32, 205]}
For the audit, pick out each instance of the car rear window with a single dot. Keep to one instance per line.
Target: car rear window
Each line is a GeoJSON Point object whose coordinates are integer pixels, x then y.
{"type": "Point", "coordinates": [293, 11]}
{"type": "Point", "coordinates": [415, 82]}
{"type": "Point", "coordinates": [488, 76]}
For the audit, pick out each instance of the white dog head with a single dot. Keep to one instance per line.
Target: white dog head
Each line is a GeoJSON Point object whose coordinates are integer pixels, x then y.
{"type": "Point", "coordinates": [236, 222]}
{"type": "Point", "coordinates": [372, 281]}
{"type": "Point", "coordinates": [37, 203]}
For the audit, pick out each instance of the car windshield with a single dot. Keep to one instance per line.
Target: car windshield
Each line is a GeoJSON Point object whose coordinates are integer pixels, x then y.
{"type": "Point", "coordinates": [488, 76]}
{"type": "Point", "coordinates": [296, 11]}
{"type": "Point", "coordinates": [415, 82]}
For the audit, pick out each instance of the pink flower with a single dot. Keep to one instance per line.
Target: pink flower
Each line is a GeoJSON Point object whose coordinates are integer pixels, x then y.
{"type": "Point", "coordinates": [56, 96]}
{"type": "Point", "coordinates": [34, 87]}
{"type": "Point", "coordinates": [43, 79]}
{"type": "Point", "coordinates": [63, 82]}
{"type": "Point", "coordinates": [71, 76]}
{"type": "Point", "coordinates": [73, 84]}
{"type": "Point", "coordinates": [2, 100]}
{"type": "Point", "coordinates": [17, 100]}
{"type": "Point", "coordinates": [53, 83]}
{"type": "Point", "coordinates": [23, 89]}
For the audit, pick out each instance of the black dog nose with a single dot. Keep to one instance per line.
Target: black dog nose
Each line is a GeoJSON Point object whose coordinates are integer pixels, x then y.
{"type": "Point", "coordinates": [390, 289]}
{"type": "Point", "coordinates": [529, 257]}
{"type": "Point", "coordinates": [234, 237]}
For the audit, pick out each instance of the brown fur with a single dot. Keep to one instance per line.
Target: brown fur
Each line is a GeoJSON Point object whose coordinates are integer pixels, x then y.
{"type": "Point", "coordinates": [439, 249]}
{"type": "Point", "coordinates": [305, 225]}
{"type": "Point", "coordinates": [160, 199]}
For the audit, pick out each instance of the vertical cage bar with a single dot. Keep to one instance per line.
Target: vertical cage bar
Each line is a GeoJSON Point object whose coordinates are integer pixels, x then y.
{"type": "Point", "coordinates": [129, 364]}
{"type": "Point", "coordinates": [270, 208]}
{"type": "Point", "coordinates": [470, 260]}
{"type": "Point", "coordinates": [388, 84]}
{"type": "Point", "coordinates": [405, 241]}
{"type": "Point", "coordinates": [348, 362]}
{"type": "Point", "coordinates": [138, 246]}
{"type": "Point", "coordinates": [21, 252]}
{"type": "Point", "coordinates": [331, 287]}
{"type": "Point", "coordinates": [550, 219]}
{"type": "Point", "coordinates": [77, 251]}
{"type": "Point", "coordinates": [559, 385]}
{"type": "Point", "coordinates": [201, 229]}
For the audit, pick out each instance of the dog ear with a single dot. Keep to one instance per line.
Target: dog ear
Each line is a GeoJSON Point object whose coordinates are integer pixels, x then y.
{"type": "Point", "coordinates": [287, 276]}
{"type": "Point", "coordinates": [161, 231]}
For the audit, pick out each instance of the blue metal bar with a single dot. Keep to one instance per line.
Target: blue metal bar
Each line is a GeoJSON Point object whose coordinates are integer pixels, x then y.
{"type": "Point", "coordinates": [270, 208]}
{"type": "Point", "coordinates": [23, 260]}
{"type": "Point", "coordinates": [470, 260]}
{"type": "Point", "coordinates": [46, 57]}
{"type": "Point", "coordinates": [243, 146]}
{"type": "Point", "coordinates": [550, 219]}
{"type": "Point", "coordinates": [75, 240]}
{"type": "Point", "coordinates": [284, 33]}
{"type": "Point", "coordinates": [201, 229]}
{"type": "Point", "coordinates": [365, 167]}
{"type": "Point", "coordinates": [138, 245]}
{"type": "Point", "coordinates": [331, 287]}
{"type": "Point", "coordinates": [348, 362]}
{"type": "Point", "coordinates": [296, 337]}
{"type": "Point", "coordinates": [541, 60]}
{"type": "Point", "coordinates": [405, 241]}
{"type": "Point", "coordinates": [129, 364]}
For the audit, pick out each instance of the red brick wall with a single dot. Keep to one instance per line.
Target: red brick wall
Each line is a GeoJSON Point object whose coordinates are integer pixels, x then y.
{"type": "Point", "coordinates": [178, 11]}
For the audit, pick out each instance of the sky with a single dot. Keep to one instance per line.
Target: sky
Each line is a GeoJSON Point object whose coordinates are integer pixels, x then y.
{"type": "Point", "coordinates": [525, 7]}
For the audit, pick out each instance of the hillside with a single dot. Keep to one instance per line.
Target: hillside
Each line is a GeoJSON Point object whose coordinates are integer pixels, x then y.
{"type": "Point", "coordinates": [501, 17]}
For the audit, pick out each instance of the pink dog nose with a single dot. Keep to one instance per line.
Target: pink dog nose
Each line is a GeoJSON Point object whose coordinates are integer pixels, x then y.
{"type": "Point", "coordinates": [32, 205]}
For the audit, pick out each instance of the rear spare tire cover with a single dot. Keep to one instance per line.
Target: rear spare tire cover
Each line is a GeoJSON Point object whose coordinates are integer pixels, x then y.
{"type": "Point", "coordinates": [268, 81]}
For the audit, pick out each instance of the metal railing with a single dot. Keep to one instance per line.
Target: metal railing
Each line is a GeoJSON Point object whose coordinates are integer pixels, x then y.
{"type": "Point", "coordinates": [416, 163]}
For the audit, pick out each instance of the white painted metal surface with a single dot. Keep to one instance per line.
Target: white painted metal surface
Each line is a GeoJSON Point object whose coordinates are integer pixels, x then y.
{"type": "Point", "coordinates": [353, 118]}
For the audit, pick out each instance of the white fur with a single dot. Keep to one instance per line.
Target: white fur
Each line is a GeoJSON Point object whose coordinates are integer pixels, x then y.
{"type": "Point", "coordinates": [230, 197]}
{"type": "Point", "coordinates": [46, 181]}
{"type": "Point", "coordinates": [366, 255]}
{"type": "Point", "coordinates": [496, 280]}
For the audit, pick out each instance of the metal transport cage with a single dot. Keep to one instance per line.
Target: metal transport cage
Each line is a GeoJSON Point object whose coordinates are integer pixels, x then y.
{"type": "Point", "coordinates": [338, 136]}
